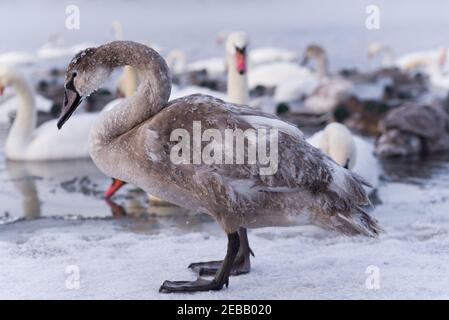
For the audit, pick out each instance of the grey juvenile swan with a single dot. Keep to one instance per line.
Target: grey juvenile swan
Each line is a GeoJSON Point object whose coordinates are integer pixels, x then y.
{"type": "Point", "coordinates": [132, 143]}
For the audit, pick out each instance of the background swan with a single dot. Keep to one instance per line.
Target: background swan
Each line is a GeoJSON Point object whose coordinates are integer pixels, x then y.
{"type": "Point", "coordinates": [17, 58]}
{"type": "Point", "coordinates": [271, 74]}
{"type": "Point", "coordinates": [349, 151]}
{"type": "Point", "coordinates": [265, 55]}
{"type": "Point", "coordinates": [413, 129]}
{"type": "Point", "coordinates": [26, 142]}
{"type": "Point", "coordinates": [55, 48]}
{"type": "Point", "coordinates": [413, 61]}
{"type": "Point", "coordinates": [10, 104]}
{"type": "Point", "coordinates": [329, 90]}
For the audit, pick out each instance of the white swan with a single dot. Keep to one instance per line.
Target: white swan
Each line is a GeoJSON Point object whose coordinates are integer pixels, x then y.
{"type": "Point", "coordinates": [321, 91]}
{"type": "Point", "coordinates": [237, 82]}
{"type": "Point", "coordinates": [55, 49]}
{"type": "Point", "coordinates": [271, 74]}
{"type": "Point", "coordinates": [17, 58]}
{"type": "Point", "coordinates": [176, 61]}
{"type": "Point", "coordinates": [265, 55]}
{"type": "Point", "coordinates": [26, 142]}
{"type": "Point", "coordinates": [262, 55]}
{"type": "Point", "coordinates": [10, 104]}
{"type": "Point", "coordinates": [214, 67]}
{"type": "Point", "coordinates": [378, 48]}
{"type": "Point", "coordinates": [413, 61]}
{"type": "Point", "coordinates": [351, 152]}
{"type": "Point", "coordinates": [136, 135]}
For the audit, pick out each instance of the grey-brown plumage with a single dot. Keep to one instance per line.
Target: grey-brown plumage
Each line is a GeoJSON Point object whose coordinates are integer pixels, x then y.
{"type": "Point", "coordinates": [414, 129]}
{"type": "Point", "coordinates": [132, 143]}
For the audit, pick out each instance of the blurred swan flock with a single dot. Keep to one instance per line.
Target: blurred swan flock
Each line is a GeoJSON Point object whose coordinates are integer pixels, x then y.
{"type": "Point", "coordinates": [398, 109]}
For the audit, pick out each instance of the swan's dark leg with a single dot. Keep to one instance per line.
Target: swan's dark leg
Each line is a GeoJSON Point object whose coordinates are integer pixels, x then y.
{"type": "Point", "coordinates": [221, 277]}
{"type": "Point", "coordinates": [241, 265]}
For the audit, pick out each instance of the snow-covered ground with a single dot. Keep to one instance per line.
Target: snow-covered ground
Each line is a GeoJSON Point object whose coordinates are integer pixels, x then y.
{"type": "Point", "coordinates": [128, 258]}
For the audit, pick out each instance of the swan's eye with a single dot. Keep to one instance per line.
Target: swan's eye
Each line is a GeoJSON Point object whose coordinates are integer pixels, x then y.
{"type": "Point", "coordinates": [74, 75]}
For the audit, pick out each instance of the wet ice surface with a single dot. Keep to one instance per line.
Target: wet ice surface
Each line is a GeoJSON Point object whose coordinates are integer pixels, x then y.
{"type": "Point", "coordinates": [129, 257]}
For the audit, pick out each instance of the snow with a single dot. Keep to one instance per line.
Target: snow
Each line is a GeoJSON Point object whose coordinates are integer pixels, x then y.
{"type": "Point", "coordinates": [304, 262]}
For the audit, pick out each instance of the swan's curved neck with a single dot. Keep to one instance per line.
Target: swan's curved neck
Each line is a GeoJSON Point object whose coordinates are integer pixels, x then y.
{"type": "Point", "coordinates": [322, 65]}
{"type": "Point", "coordinates": [25, 121]}
{"type": "Point", "coordinates": [176, 61]}
{"type": "Point", "coordinates": [237, 83]}
{"type": "Point", "coordinates": [387, 59]}
{"type": "Point", "coordinates": [151, 96]}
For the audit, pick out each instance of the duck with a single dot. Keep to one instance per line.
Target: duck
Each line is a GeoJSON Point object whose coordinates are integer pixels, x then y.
{"type": "Point", "coordinates": [349, 151]}
{"type": "Point", "coordinates": [414, 129]}
{"type": "Point", "coordinates": [27, 142]}
{"type": "Point", "coordinates": [307, 187]}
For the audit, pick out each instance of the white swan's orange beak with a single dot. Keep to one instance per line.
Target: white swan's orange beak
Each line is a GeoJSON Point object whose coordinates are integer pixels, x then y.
{"type": "Point", "coordinates": [240, 60]}
{"type": "Point", "coordinates": [113, 188]}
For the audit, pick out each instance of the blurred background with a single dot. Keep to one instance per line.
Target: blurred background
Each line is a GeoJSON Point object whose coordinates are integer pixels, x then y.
{"type": "Point", "coordinates": [339, 27]}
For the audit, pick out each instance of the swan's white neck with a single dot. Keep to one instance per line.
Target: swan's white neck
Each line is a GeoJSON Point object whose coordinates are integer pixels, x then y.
{"type": "Point", "coordinates": [388, 59]}
{"type": "Point", "coordinates": [237, 83]}
{"type": "Point", "coordinates": [322, 66]}
{"type": "Point", "coordinates": [25, 122]}
{"type": "Point", "coordinates": [176, 61]}
{"type": "Point", "coordinates": [151, 96]}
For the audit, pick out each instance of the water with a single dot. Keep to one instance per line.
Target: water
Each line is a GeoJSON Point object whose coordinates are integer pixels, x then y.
{"type": "Point", "coordinates": [192, 25]}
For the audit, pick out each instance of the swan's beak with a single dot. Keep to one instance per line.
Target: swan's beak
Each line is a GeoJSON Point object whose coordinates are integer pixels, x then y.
{"type": "Point", "coordinates": [113, 188]}
{"type": "Point", "coordinates": [72, 99]}
{"type": "Point", "coordinates": [240, 60]}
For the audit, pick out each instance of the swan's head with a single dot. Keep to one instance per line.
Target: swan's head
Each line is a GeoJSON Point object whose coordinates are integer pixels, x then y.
{"type": "Point", "coordinates": [313, 51]}
{"type": "Point", "coordinates": [338, 143]}
{"type": "Point", "coordinates": [85, 73]}
{"type": "Point", "coordinates": [397, 143]}
{"type": "Point", "coordinates": [236, 49]}
{"type": "Point", "coordinates": [8, 76]}
{"type": "Point", "coordinates": [374, 49]}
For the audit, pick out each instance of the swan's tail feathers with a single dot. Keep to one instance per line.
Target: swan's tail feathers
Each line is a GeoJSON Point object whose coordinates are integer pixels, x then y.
{"type": "Point", "coordinates": [363, 182]}
{"type": "Point", "coordinates": [358, 223]}
{"type": "Point", "coordinates": [341, 208]}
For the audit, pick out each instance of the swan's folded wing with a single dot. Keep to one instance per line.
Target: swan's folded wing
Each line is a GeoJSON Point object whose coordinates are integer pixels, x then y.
{"type": "Point", "coordinates": [299, 168]}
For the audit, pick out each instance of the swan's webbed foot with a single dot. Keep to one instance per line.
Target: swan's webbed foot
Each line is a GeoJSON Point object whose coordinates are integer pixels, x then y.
{"type": "Point", "coordinates": [242, 263]}
{"type": "Point", "coordinates": [240, 266]}
{"type": "Point", "coordinates": [220, 279]}
{"type": "Point", "coordinates": [190, 286]}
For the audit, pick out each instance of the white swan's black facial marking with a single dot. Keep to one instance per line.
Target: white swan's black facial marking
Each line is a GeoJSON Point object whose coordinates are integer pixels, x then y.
{"type": "Point", "coordinates": [240, 59]}
{"type": "Point", "coordinates": [72, 100]}
{"type": "Point", "coordinates": [346, 166]}
{"type": "Point", "coordinates": [312, 51]}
